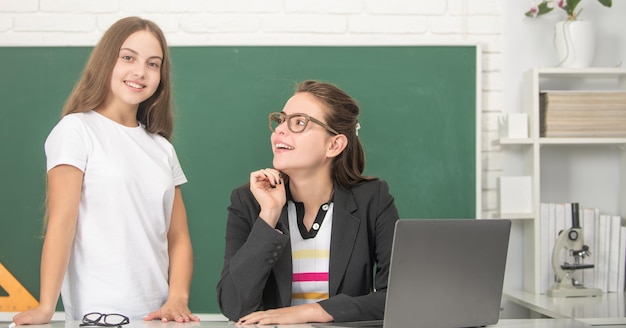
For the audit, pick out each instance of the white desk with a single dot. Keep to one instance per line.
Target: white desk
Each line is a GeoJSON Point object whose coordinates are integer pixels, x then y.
{"type": "Point", "coordinates": [504, 323]}
{"type": "Point", "coordinates": [607, 309]}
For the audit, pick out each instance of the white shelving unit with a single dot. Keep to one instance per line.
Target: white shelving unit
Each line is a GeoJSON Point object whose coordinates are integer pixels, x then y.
{"type": "Point", "coordinates": [590, 171]}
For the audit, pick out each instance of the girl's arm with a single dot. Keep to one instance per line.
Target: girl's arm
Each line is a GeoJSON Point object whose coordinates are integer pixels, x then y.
{"type": "Point", "coordinates": [176, 308]}
{"type": "Point", "coordinates": [64, 189]}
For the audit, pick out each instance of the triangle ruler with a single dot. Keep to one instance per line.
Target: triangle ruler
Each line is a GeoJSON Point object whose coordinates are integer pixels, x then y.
{"type": "Point", "coordinates": [19, 298]}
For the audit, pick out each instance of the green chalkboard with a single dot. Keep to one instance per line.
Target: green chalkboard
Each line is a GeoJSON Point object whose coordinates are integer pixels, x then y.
{"type": "Point", "coordinates": [418, 127]}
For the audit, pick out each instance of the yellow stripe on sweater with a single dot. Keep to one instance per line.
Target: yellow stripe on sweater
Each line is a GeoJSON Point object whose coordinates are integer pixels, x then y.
{"type": "Point", "coordinates": [311, 253]}
{"type": "Point", "coordinates": [310, 296]}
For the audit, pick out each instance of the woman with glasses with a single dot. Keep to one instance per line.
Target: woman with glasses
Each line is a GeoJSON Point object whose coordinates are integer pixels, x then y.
{"type": "Point", "coordinates": [309, 240]}
{"type": "Point", "coordinates": [116, 240]}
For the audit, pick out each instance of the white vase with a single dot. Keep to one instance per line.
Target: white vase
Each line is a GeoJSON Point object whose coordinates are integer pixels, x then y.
{"type": "Point", "coordinates": [574, 41]}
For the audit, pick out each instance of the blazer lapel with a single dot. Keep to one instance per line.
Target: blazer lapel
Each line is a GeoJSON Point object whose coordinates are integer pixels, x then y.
{"type": "Point", "coordinates": [343, 236]}
{"type": "Point", "coordinates": [283, 268]}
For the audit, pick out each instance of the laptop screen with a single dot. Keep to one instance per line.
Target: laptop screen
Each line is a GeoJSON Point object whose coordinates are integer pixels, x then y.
{"type": "Point", "coordinates": [444, 273]}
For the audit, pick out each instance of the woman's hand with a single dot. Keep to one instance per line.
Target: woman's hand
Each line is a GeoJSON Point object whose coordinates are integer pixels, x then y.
{"type": "Point", "coordinates": [268, 189]}
{"type": "Point", "coordinates": [304, 313]}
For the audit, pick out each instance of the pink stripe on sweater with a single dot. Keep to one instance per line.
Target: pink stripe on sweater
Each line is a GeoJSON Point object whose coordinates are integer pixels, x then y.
{"type": "Point", "coordinates": [310, 276]}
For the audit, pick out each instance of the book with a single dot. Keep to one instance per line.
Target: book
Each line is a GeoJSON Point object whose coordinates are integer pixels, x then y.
{"type": "Point", "coordinates": [603, 237]}
{"type": "Point", "coordinates": [557, 226]}
{"type": "Point", "coordinates": [546, 246]}
{"type": "Point", "coordinates": [615, 223]}
{"type": "Point", "coordinates": [621, 267]}
{"type": "Point", "coordinates": [590, 98]}
{"type": "Point", "coordinates": [574, 113]}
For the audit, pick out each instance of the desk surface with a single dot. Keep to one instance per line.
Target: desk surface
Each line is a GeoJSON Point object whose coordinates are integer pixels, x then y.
{"type": "Point", "coordinates": [605, 309]}
{"type": "Point", "coordinates": [504, 323]}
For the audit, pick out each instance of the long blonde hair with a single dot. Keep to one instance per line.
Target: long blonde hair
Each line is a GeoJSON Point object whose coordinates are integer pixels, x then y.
{"type": "Point", "coordinates": [155, 113]}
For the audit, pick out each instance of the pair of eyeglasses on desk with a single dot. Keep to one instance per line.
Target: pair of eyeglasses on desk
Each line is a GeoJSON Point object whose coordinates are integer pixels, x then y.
{"type": "Point", "coordinates": [104, 320]}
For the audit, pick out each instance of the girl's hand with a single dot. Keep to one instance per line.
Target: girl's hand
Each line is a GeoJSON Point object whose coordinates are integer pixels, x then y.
{"type": "Point", "coordinates": [36, 316]}
{"type": "Point", "coordinates": [268, 188]}
{"type": "Point", "coordinates": [172, 311]}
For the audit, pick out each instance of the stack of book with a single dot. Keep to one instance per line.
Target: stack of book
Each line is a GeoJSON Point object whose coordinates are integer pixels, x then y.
{"type": "Point", "coordinates": [582, 114]}
{"type": "Point", "coordinates": [604, 234]}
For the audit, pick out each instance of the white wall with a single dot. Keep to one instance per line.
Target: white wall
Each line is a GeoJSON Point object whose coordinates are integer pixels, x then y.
{"type": "Point", "coordinates": [271, 22]}
{"type": "Point", "coordinates": [511, 43]}
{"type": "Point", "coordinates": [198, 22]}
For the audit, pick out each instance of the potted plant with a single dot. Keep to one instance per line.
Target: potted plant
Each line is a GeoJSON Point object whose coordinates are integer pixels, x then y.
{"type": "Point", "coordinates": [569, 7]}
{"type": "Point", "coordinates": [573, 38]}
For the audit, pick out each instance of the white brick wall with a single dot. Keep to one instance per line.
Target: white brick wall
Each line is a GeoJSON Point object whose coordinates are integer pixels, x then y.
{"type": "Point", "coordinates": [278, 22]}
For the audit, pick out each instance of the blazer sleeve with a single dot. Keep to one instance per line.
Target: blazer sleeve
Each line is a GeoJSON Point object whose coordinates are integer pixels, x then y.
{"type": "Point", "coordinates": [381, 217]}
{"type": "Point", "coordinates": [252, 249]}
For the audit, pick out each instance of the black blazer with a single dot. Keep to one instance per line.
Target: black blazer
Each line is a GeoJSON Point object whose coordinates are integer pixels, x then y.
{"type": "Point", "coordinates": [257, 269]}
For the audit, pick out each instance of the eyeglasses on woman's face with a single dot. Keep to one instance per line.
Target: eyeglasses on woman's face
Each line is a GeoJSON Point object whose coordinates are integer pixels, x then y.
{"type": "Point", "coordinates": [297, 122]}
{"type": "Point", "coordinates": [104, 319]}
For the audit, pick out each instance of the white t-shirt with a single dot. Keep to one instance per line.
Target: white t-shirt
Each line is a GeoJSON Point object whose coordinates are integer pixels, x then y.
{"type": "Point", "coordinates": [119, 261]}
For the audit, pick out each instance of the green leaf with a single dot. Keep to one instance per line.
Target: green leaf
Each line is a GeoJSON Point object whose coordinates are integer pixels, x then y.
{"type": "Point", "coordinates": [606, 3]}
{"type": "Point", "coordinates": [542, 8]}
{"type": "Point", "coordinates": [570, 8]}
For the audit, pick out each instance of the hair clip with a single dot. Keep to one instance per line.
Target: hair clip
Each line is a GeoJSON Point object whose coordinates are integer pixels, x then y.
{"type": "Point", "coordinates": [358, 126]}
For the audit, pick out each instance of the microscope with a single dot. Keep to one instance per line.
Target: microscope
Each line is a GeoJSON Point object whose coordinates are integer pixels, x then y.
{"type": "Point", "coordinates": [572, 240]}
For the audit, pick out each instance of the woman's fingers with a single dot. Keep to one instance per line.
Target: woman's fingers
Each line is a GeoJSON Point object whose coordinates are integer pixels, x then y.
{"type": "Point", "coordinates": [269, 175]}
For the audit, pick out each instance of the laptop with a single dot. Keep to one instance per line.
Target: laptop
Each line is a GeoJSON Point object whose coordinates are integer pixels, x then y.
{"type": "Point", "coordinates": [444, 273]}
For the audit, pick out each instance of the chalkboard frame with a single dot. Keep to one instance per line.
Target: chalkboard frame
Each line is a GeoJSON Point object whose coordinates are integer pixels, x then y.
{"type": "Point", "coordinates": [222, 97]}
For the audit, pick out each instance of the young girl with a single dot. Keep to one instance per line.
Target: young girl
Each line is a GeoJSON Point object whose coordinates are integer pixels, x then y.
{"type": "Point", "coordinates": [116, 238]}
{"type": "Point", "coordinates": [303, 238]}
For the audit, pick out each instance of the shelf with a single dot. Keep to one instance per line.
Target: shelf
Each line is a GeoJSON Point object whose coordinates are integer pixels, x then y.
{"type": "Point", "coordinates": [516, 216]}
{"type": "Point", "coordinates": [601, 310]}
{"type": "Point", "coordinates": [581, 141]}
{"type": "Point", "coordinates": [516, 141]}
{"type": "Point", "coordinates": [577, 73]}
{"type": "Point", "coordinates": [564, 141]}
